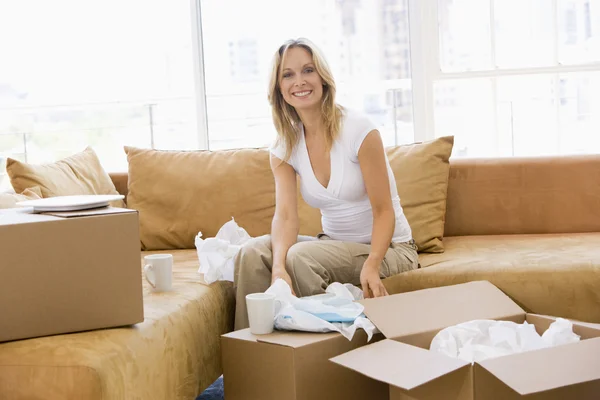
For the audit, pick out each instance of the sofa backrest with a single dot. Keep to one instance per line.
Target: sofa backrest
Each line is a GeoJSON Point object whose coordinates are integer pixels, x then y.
{"type": "Point", "coordinates": [120, 180]}
{"type": "Point", "coordinates": [181, 193]}
{"type": "Point", "coordinates": [508, 196]}
{"type": "Point", "coordinates": [523, 196]}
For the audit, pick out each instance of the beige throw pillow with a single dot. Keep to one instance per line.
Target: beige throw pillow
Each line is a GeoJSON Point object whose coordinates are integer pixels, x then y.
{"type": "Point", "coordinates": [181, 193]}
{"type": "Point", "coordinates": [78, 174]}
{"type": "Point", "coordinates": [421, 171]}
{"type": "Point", "coordinates": [10, 200]}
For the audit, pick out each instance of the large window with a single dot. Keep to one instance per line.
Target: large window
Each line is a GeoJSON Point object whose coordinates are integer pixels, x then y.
{"type": "Point", "coordinates": [366, 43]}
{"type": "Point", "coordinates": [101, 73]}
{"type": "Point", "coordinates": [505, 77]}
{"type": "Point", "coordinates": [518, 77]}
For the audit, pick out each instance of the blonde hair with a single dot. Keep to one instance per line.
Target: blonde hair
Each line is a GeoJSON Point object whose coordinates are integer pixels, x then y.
{"type": "Point", "coordinates": [285, 117]}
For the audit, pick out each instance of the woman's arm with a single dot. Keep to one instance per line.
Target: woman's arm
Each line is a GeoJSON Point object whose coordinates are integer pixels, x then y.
{"type": "Point", "coordinates": [371, 157]}
{"type": "Point", "coordinates": [285, 226]}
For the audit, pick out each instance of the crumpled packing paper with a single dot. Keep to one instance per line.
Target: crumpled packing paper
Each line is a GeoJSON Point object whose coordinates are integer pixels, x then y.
{"type": "Point", "coordinates": [216, 254]}
{"type": "Point", "coordinates": [478, 340]}
{"type": "Point", "coordinates": [318, 313]}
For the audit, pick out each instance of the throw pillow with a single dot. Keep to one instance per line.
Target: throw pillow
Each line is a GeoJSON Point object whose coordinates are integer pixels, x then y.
{"type": "Point", "coordinates": [10, 200]}
{"type": "Point", "coordinates": [181, 193]}
{"type": "Point", "coordinates": [78, 174]}
{"type": "Point", "coordinates": [421, 171]}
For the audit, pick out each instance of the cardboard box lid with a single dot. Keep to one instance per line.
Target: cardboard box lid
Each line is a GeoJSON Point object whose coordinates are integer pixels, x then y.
{"type": "Point", "coordinates": [89, 212]}
{"type": "Point", "coordinates": [399, 364]}
{"type": "Point", "coordinates": [26, 216]}
{"type": "Point", "coordinates": [435, 309]}
{"type": "Point", "coordinates": [288, 339]}
{"type": "Point", "coordinates": [547, 369]}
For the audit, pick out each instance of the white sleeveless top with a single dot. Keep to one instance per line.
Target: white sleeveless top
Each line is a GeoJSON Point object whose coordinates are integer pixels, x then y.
{"type": "Point", "coordinates": [346, 212]}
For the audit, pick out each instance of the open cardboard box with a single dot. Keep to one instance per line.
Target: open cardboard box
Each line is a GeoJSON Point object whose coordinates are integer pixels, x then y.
{"type": "Point", "coordinates": [411, 320]}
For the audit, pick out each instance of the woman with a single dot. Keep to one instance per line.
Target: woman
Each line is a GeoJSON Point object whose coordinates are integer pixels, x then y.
{"type": "Point", "coordinates": [344, 171]}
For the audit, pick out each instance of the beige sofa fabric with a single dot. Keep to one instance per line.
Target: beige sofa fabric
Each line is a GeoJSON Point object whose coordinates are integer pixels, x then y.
{"type": "Point", "coordinates": [174, 354]}
{"type": "Point", "coordinates": [549, 274]}
{"type": "Point", "coordinates": [179, 194]}
{"type": "Point", "coordinates": [515, 195]}
{"type": "Point", "coordinates": [79, 174]}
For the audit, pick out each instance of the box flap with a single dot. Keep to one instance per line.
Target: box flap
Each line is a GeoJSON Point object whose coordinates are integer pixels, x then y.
{"type": "Point", "coordinates": [88, 212]}
{"type": "Point", "coordinates": [398, 364]}
{"type": "Point", "coordinates": [555, 367]}
{"type": "Point", "coordinates": [289, 339]}
{"type": "Point", "coordinates": [434, 309]}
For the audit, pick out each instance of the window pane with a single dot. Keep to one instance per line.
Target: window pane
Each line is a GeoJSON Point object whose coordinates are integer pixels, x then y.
{"type": "Point", "coordinates": [464, 31]}
{"type": "Point", "coordinates": [524, 33]}
{"type": "Point", "coordinates": [93, 75]}
{"type": "Point", "coordinates": [580, 113]}
{"type": "Point", "coordinates": [465, 108]}
{"type": "Point", "coordinates": [366, 45]}
{"type": "Point", "coordinates": [527, 115]}
{"type": "Point", "coordinates": [579, 31]}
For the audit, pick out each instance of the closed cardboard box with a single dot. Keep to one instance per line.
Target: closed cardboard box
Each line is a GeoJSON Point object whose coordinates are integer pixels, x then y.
{"type": "Point", "coordinates": [294, 366]}
{"type": "Point", "coordinates": [412, 371]}
{"type": "Point", "coordinates": [69, 272]}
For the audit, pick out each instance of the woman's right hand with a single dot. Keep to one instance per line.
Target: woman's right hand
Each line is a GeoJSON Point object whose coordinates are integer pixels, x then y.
{"type": "Point", "coordinates": [281, 273]}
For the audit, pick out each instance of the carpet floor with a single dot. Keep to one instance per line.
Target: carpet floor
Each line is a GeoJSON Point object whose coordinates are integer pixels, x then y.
{"type": "Point", "coordinates": [214, 391]}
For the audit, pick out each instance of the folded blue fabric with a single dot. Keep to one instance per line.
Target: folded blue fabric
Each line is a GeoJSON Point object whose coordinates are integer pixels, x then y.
{"type": "Point", "coordinates": [332, 317]}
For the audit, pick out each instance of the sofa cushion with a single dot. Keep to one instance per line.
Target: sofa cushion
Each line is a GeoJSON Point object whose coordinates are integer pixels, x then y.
{"type": "Point", "coordinates": [421, 171]}
{"type": "Point", "coordinates": [78, 174]}
{"type": "Point", "coordinates": [174, 354]}
{"type": "Point", "coordinates": [502, 196]}
{"type": "Point", "coordinates": [10, 200]}
{"type": "Point", "coordinates": [181, 193]}
{"type": "Point", "coordinates": [553, 274]}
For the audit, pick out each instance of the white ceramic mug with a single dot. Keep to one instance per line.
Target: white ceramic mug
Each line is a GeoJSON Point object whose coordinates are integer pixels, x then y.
{"type": "Point", "coordinates": [158, 270]}
{"type": "Point", "coordinates": [261, 312]}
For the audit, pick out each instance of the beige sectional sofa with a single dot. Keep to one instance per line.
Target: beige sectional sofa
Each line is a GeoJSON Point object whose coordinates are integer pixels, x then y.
{"type": "Point", "coordinates": [530, 226]}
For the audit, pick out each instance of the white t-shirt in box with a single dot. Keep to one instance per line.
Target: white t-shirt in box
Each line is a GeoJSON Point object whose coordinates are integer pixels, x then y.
{"type": "Point", "coordinates": [346, 212]}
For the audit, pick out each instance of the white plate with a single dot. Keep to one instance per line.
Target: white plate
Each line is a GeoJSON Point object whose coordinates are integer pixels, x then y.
{"type": "Point", "coordinates": [70, 203]}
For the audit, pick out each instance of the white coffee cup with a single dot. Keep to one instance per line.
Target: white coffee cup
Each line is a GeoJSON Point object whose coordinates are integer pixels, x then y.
{"type": "Point", "coordinates": [261, 312]}
{"type": "Point", "coordinates": [158, 270]}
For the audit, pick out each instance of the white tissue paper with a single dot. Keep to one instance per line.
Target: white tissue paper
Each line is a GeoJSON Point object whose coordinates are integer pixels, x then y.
{"type": "Point", "coordinates": [216, 254]}
{"type": "Point", "coordinates": [334, 311]}
{"type": "Point", "coordinates": [478, 340]}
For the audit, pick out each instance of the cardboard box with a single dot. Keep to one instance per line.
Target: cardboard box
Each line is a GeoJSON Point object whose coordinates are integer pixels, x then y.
{"type": "Point", "coordinates": [69, 272]}
{"type": "Point", "coordinates": [411, 320]}
{"type": "Point", "coordinates": [293, 366]}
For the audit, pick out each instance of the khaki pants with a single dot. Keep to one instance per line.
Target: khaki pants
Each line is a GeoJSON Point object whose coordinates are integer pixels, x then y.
{"type": "Point", "coordinates": [312, 263]}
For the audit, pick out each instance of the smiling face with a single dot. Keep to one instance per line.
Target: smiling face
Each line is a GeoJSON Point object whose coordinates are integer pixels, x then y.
{"type": "Point", "coordinates": [300, 83]}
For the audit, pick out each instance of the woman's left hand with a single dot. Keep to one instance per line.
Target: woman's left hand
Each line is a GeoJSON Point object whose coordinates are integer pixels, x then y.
{"type": "Point", "coordinates": [370, 280]}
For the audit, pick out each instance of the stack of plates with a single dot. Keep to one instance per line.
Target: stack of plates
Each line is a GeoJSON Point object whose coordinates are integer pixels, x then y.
{"type": "Point", "coordinates": [70, 203]}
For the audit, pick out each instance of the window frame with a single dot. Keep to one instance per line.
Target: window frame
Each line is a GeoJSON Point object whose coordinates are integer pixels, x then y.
{"type": "Point", "coordinates": [426, 66]}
